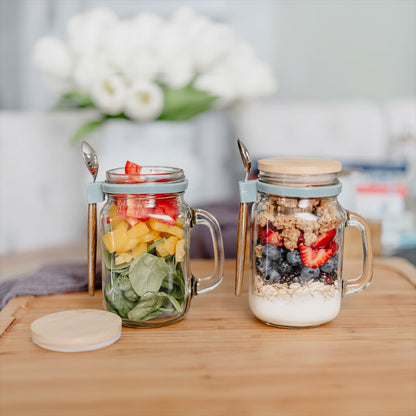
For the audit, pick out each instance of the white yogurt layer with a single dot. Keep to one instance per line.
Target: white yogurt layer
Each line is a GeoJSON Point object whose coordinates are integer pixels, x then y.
{"type": "Point", "coordinates": [297, 310]}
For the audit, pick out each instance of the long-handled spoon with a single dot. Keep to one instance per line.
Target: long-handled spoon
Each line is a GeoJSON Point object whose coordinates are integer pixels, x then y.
{"type": "Point", "coordinates": [242, 224]}
{"type": "Point", "coordinates": [91, 161]}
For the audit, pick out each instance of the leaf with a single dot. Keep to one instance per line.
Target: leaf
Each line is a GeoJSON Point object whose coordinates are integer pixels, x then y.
{"type": "Point", "coordinates": [156, 243]}
{"type": "Point", "coordinates": [73, 99]}
{"type": "Point", "coordinates": [185, 103]}
{"type": "Point", "coordinates": [147, 272]}
{"type": "Point", "coordinates": [174, 283]}
{"type": "Point", "coordinates": [120, 281]}
{"type": "Point", "coordinates": [115, 298]}
{"type": "Point", "coordinates": [86, 129]}
{"type": "Point", "coordinates": [147, 307]}
{"type": "Point", "coordinates": [153, 305]}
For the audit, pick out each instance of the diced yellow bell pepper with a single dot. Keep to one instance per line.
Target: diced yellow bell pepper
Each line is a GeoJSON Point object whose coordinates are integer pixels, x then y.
{"type": "Point", "coordinates": [140, 249]}
{"type": "Point", "coordinates": [170, 244]}
{"type": "Point", "coordinates": [131, 243]}
{"type": "Point", "coordinates": [161, 250]}
{"type": "Point", "coordinates": [180, 250]}
{"type": "Point", "coordinates": [165, 228]}
{"type": "Point", "coordinates": [153, 235]}
{"type": "Point", "coordinates": [123, 258]}
{"type": "Point", "coordinates": [117, 222]}
{"type": "Point", "coordinates": [179, 222]}
{"type": "Point", "coordinates": [138, 230]}
{"type": "Point", "coordinates": [115, 240]}
{"type": "Point", "coordinates": [112, 211]}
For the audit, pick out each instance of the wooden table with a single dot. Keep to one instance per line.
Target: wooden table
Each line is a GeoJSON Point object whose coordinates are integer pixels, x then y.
{"type": "Point", "coordinates": [220, 360]}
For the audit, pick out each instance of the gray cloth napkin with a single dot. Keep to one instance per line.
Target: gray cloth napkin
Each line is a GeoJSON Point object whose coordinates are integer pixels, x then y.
{"type": "Point", "coordinates": [49, 279]}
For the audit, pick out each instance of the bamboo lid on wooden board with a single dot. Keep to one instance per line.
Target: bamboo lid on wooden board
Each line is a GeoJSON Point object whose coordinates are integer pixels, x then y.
{"type": "Point", "coordinates": [76, 330]}
{"type": "Point", "coordinates": [299, 166]}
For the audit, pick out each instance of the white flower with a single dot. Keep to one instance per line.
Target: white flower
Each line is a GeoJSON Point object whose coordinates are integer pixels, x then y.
{"type": "Point", "coordinates": [143, 65]}
{"type": "Point", "coordinates": [86, 29]}
{"type": "Point", "coordinates": [119, 44]}
{"type": "Point", "coordinates": [144, 101]}
{"type": "Point", "coordinates": [87, 69]}
{"type": "Point", "coordinates": [212, 46]}
{"type": "Point", "coordinates": [147, 26]}
{"type": "Point", "coordinates": [108, 94]}
{"type": "Point", "coordinates": [55, 61]}
{"type": "Point", "coordinates": [257, 80]}
{"type": "Point", "coordinates": [178, 72]}
{"type": "Point", "coordinates": [218, 84]}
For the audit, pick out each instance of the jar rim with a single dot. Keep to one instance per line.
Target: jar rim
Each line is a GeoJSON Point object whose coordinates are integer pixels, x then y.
{"type": "Point", "coordinates": [147, 174]}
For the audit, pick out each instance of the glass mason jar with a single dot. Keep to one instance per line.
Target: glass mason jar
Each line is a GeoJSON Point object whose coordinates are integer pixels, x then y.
{"type": "Point", "coordinates": [145, 235]}
{"type": "Point", "coordinates": [297, 243]}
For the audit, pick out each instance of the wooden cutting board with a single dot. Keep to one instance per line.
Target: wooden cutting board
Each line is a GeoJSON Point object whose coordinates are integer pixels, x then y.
{"type": "Point", "coordinates": [220, 360]}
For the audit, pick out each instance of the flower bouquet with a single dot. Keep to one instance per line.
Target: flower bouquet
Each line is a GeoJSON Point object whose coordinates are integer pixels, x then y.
{"type": "Point", "coordinates": [148, 68]}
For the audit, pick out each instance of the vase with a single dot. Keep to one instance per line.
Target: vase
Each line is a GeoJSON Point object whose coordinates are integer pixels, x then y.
{"type": "Point", "coordinates": [202, 146]}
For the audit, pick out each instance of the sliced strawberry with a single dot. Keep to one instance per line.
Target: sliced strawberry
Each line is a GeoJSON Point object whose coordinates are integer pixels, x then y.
{"type": "Point", "coordinates": [334, 247]}
{"type": "Point", "coordinates": [271, 237]}
{"type": "Point", "coordinates": [314, 258]}
{"type": "Point", "coordinates": [301, 238]}
{"type": "Point", "coordinates": [324, 239]}
{"type": "Point", "coordinates": [132, 168]}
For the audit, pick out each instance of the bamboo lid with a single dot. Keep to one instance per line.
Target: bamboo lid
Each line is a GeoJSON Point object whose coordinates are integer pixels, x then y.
{"type": "Point", "coordinates": [299, 166]}
{"type": "Point", "coordinates": [76, 330]}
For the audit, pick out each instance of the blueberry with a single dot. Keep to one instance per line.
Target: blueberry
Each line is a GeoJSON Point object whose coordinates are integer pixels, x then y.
{"type": "Point", "coordinates": [272, 252]}
{"type": "Point", "coordinates": [294, 258]}
{"type": "Point", "coordinates": [272, 277]}
{"type": "Point", "coordinates": [285, 268]}
{"type": "Point", "coordinates": [307, 273]}
{"type": "Point", "coordinates": [265, 264]}
{"type": "Point", "coordinates": [330, 265]}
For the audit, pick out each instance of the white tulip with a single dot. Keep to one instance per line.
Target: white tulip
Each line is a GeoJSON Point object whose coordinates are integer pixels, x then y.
{"type": "Point", "coordinates": [53, 58]}
{"type": "Point", "coordinates": [87, 69]}
{"type": "Point", "coordinates": [118, 44]}
{"type": "Point", "coordinates": [108, 94]}
{"type": "Point", "coordinates": [147, 26]}
{"type": "Point", "coordinates": [142, 65]}
{"type": "Point", "coordinates": [144, 101]}
{"type": "Point", "coordinates": [86, 29]}
{"type": "Point", "coordinates": [178, 72]}
{"type": "Point", "coordinates": [255, 81]}
{"type": "Point", "coordinates": [218, 84]}
{"type": "Point", "coordinates": [212, 46]}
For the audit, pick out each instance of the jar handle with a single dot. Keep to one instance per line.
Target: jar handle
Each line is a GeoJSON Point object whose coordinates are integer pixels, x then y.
{"type": "Point", "coordinates": [205, 284]}
{"type": "Point", "coordinates": [359, 283]}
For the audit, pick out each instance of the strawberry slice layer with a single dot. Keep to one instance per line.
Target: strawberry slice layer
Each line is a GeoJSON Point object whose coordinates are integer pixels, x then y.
{"type": "Point", "coordinates": [271, 237]}
{"type": "Point", "coordinates": [315, 258]}
{"type": "Point", "coordinates": [324, 239]}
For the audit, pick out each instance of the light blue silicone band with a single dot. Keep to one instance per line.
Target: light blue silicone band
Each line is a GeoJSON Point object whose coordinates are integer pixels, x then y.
{"type": "Point", "coordinates": [96, 191]}
{"type": "Point", "coordinates": [248, 190]}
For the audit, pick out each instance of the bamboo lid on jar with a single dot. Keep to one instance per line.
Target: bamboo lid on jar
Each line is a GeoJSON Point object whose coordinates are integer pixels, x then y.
{"type": "Point", "coordinates": [76, 330]}
{"type": "Point", "coordinates": [299, 166]}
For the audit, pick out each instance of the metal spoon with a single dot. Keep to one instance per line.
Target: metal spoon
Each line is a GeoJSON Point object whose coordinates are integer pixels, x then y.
{"type": "Point", "coordinates": [242, 223]}
{"type": "Point", "coordinates": [91, 161]}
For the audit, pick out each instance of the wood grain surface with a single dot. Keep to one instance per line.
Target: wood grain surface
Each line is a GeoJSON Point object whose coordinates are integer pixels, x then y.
{"type": "Point", "coordinates": [220, 360]}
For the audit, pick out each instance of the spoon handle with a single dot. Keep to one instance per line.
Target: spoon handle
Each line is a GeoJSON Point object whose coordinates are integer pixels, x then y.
{"type": "Point", "coordinates": [241, 247]}
{"type": "Point", "coordinates": [92, 246]}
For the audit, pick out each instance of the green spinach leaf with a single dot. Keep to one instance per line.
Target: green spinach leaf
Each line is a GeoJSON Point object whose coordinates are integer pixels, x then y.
{"type": "Point", "coordinates": [147, 272]}
{"type": "Point", "coordinates": [115, 298]}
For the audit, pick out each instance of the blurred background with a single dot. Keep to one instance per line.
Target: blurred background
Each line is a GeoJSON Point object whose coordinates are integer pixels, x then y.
{"type": "Point", "coordinates": [329, 79]}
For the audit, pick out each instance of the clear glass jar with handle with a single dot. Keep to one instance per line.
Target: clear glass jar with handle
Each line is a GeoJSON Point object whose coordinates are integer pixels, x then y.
{"type": "Point", "coordinates": [297, 242]}
{"type": "Point", "coordinates": [145, 233]}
